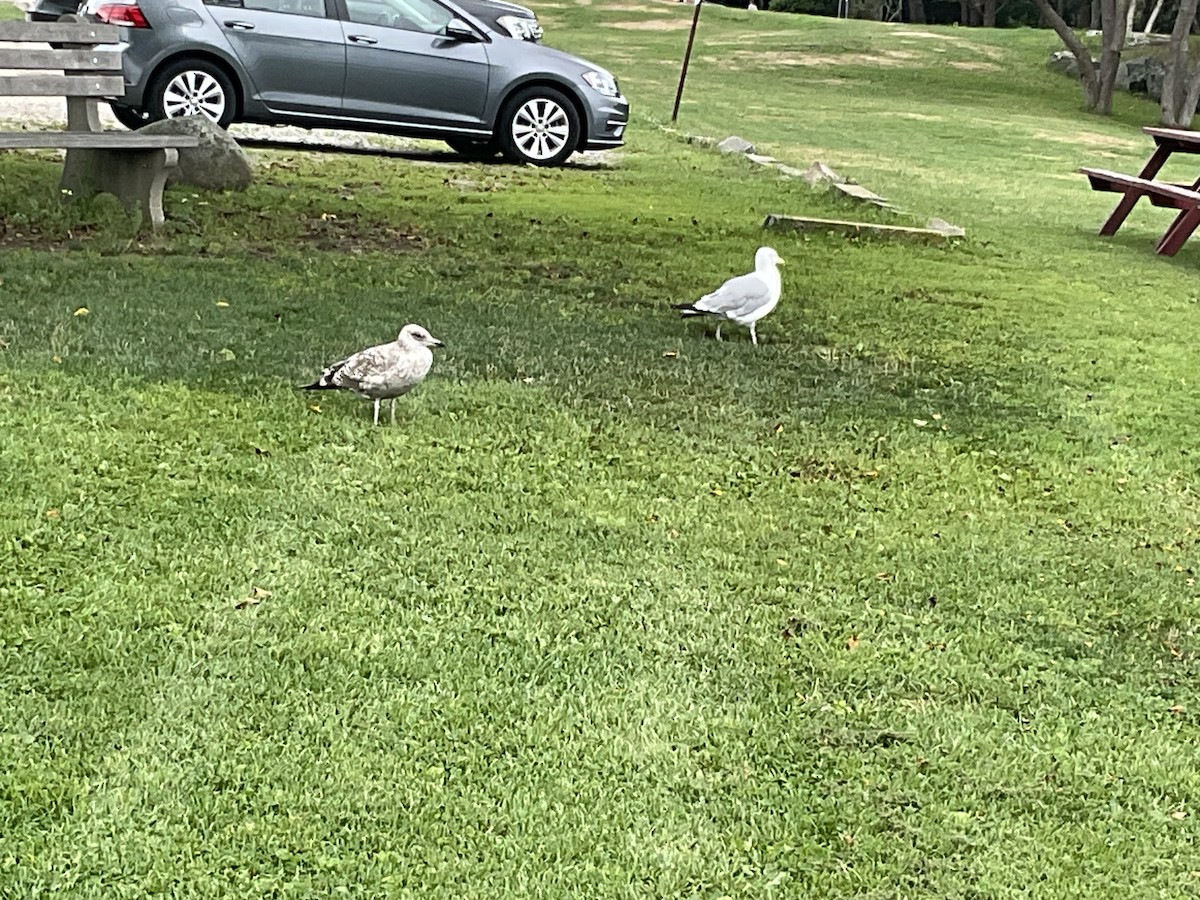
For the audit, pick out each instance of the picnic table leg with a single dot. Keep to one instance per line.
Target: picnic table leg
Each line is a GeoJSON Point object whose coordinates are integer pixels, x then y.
{"type": "Point", "coordinates": [1181, 229]}
{"type": "Point", "coordinates": [135, 177]}
{"type": "Point", "coordinates": [1130, 198]}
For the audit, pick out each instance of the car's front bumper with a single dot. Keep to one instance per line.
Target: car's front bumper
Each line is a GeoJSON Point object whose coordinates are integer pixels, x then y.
{"type": "Point", "coordinates": [608, 123]}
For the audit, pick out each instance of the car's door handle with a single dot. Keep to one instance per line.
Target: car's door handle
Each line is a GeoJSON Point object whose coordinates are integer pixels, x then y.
{"type": "Point", "coordinates": [239, 26]}
{"type": "Point", "coordinates": [361, 39]}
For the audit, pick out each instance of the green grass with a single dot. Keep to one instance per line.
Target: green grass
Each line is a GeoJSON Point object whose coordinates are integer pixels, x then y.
{"type": "Point", "coordinates": [900, 603]}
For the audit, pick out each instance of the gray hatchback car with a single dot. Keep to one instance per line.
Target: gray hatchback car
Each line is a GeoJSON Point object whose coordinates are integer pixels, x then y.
{"type": "Point", "coordinates": [420, 68]}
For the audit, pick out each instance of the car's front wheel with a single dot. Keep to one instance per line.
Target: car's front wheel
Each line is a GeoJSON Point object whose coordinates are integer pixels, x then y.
{"type": "Point", "coordinates": [193, 87]}
{"type": "Point", "coordinates": [539, 125]}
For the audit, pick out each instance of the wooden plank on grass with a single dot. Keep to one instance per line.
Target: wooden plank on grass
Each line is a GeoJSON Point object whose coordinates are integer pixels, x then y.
{"type": "Point", "coordinates": [856, 229]}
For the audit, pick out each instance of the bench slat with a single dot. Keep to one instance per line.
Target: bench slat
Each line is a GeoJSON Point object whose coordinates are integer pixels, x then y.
{"type": "Point", "coordinates": [108, 60]}
{"type": "Point", "coordinates": [97, 140]}
{"type": "Point", "coordinates": [60, 32]}
{"type": "Point", "coordinates": [1104, 180]}
{"type": "Point", "coordinates": [61, 86]}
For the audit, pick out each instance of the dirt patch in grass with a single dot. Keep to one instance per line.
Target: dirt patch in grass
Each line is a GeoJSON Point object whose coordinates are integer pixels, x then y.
{"type": "Point", "coordinates": [654, 25]}
{"type": "Point", "coordinates": [885, 58]}
{"type": "Point", "coordinates": [349, 235]}
{"type": "Point", "coordinates": [1090, 139]}
{"type": "Point", "coordinates": [982, 50]}
{"type": "Point", "coordinates": [974, 66]}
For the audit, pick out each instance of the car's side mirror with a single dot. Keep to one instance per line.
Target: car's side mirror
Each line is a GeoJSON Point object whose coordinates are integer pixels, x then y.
{"type": "Point", "coordinates": [458, 30]}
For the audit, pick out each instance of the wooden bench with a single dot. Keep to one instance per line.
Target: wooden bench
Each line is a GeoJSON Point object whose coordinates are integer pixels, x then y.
{"type": "Point", "coordinates": [1174, 196]}
{"type": "Point", "coordinates": [83, 64]}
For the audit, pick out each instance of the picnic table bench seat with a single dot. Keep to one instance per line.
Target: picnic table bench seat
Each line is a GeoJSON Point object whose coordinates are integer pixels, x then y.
{"type": "Point", "coordinates": [1184, 198]}
{"type": "Point", "coordinates": [81, 62]}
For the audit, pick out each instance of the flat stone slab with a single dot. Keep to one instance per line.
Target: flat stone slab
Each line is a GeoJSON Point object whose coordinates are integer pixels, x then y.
{"type": "Point", "coordinates": [858, 229]}
{"type": "Point", "coordinates": [861, 194]}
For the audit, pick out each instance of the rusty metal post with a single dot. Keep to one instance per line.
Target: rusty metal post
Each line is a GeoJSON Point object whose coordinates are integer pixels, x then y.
{"type": "Point", "coordinates": [687, 55]}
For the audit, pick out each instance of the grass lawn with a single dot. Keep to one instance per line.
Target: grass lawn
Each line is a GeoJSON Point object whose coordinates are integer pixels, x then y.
{"type": "Point", "coordinates": [900, 603]}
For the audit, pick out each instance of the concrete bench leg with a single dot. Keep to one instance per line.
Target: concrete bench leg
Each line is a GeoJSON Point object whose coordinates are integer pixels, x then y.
{"type": "Point", "coordinates": [135, 177]}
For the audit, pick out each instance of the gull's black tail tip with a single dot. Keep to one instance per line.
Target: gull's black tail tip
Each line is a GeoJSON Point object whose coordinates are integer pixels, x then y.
{"type": "Point", "coordinates": [321, 384]}
{"type": "Point", "coordinates": [325, 382]}
{"type": "Point", "coordinates": [687, 309]}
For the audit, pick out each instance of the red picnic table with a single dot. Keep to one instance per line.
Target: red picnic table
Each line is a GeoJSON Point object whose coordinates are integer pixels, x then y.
{"type": "Point", "coordinates": [1183, 197]}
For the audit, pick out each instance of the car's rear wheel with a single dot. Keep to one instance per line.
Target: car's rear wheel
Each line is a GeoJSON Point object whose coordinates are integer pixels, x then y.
{"type": "Point", "coordinates": [473, 148]}
{"type": "Point", "coordinates": [131, 118]}
{"type": "Point", "coordinates": [539, 125]}
{"type": "Point", "coordinates": [193, 87]}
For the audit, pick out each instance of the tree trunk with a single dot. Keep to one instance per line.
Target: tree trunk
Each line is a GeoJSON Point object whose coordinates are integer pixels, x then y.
{"type": "Point", "coordinates": [1094, 24]}
{"type": "Point", "coordinates": [1179, 91]}
{"type": "Point", "coordinates": [1112, 13]}
{"type": "Point", "coordinates": [1089, 78]}
{"type": "Point", "coordinates": [916, 11]}
{"type": "Point", "coordinates": [989, 13]}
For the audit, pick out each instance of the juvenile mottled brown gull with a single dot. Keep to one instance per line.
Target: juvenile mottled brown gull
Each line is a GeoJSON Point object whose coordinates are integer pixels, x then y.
{"type": "Point", "coordinates": [384, 372]}
{"type": "Point", "coordinates": [744, 299]}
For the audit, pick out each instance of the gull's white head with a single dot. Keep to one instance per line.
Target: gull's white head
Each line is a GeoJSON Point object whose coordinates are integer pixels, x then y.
{"type": "Point", "coordinates": [766, 257]}
{"type": "Point", "coordinates": [415, 334]}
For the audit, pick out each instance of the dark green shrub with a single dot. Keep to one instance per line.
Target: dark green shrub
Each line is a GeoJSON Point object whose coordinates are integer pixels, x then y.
{"type": "Point", "coordinates": [808, 7]}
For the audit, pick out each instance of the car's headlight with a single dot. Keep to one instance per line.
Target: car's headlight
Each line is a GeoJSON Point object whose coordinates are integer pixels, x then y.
{"type": "Point", "coordinates": [521, 28]}
{"type": "Point", "coordinates": [602, 82]}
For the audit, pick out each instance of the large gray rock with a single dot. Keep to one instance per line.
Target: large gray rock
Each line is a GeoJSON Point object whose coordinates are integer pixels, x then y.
{"type": "Point", "coordinates": [819, 173]}
{"type": "Point", "coordinates": [735, 144]}
{"type": "Point", "coordinates": [1064, 61]}
{"type": "Point", "coordinates": [218, 164]}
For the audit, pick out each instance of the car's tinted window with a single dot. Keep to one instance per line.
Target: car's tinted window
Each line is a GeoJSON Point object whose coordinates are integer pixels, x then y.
{"type": "Point", "coordinates": [409, 15]}
{"type": "Point", "coordinates": [292, 7]}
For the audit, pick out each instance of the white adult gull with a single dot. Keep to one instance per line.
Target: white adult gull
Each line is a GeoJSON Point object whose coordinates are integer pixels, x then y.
{"type": "Point", "coordinates": [744, 299]}
{"type": "Point", "coordinates": [384, 372]}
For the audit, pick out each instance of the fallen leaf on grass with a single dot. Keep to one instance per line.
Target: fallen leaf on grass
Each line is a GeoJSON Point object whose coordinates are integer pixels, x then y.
{"type": "Point", "coordinates": [1179, 814]}
{"type": "Point", "coordinates": [315, 407]}
{"type": "Point", "coordinates": [1177, 709]}
{"type": "Point", "coordinates": [52, 514]}
{"type": "Point", "coordinates": [852, 643]}
{"type": "Point", "coordinates": [223, 304]}
{"type": "Point", "coordinates": [227, 354]}
{"type": "Point", "coordinates": [82, 311]}
{"type": "Point", "coordinates": [670, 354]}
{"type": "Point", "coordinates": [257, 596]}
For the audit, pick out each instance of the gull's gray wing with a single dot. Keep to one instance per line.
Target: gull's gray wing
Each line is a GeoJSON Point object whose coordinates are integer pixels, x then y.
{"type": "Point", "coordinates": [737, 297]}
{"type": "Point", "coordinates": [363, 368]}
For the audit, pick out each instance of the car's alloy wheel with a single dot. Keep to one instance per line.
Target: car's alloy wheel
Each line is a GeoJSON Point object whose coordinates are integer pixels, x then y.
{"type": "Point", "coordinates": [193, 87]}
{"type": "Point", "coordinates": [539, 126]}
